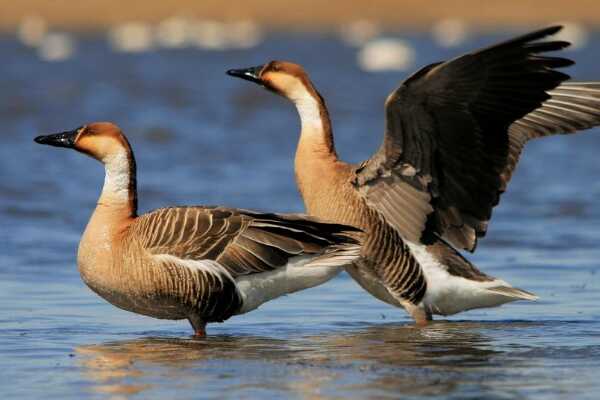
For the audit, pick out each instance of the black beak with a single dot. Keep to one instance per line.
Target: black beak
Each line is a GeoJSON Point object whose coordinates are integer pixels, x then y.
{"type": "Point", "coordinates": [63, 139]}
{"type": "Point", "coordinates": [250, 74]}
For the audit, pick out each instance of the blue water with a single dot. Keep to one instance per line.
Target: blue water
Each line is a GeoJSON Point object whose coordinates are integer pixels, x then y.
{"type": "Point", "coordinates": [201, 137]}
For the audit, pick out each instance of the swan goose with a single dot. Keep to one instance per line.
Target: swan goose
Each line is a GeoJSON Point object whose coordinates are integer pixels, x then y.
{"type": "Point", "coordinates": [204, 264]}
{"type": "Point", "coordinates": [454, 133]}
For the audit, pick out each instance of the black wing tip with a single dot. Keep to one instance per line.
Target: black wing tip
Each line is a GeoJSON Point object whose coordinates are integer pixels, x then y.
{"type": "Point", "coordinates": [541, 33]}
{"type": "Point", "coordinates": [538, 34]}
{"type": "Point", "coordinates": [562, 43]}
{"type": "Point", "coordinates": [551, 30]}
{"type": "Point", "coordinates": [531, 38]}
{"type": "Point", "coordinates": [558, 62]}
{"type": "Point", "coordinates": [561, 77]}
{"type": "Point", "coordinates": [546, 46]}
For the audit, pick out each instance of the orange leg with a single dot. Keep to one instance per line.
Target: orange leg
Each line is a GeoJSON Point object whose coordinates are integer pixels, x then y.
{"type": "Point", "coordinates": [200, 333]}
{"type": "Point", "coordinates": [421, 317]}
{"type": "Point", "coordinates": [199, 326]}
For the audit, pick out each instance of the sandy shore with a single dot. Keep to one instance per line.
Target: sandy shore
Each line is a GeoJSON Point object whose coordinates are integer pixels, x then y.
{"type": "Point", "coordinates": [92, 15]}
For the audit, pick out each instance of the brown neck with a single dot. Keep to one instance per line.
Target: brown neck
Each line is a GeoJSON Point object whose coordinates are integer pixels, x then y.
{"type": "Point", "coordinates": [316, 161]}
{"type": "Point", "coordinates": [117, 205]}
{"type": "Point", "coordinates": [104, 235]}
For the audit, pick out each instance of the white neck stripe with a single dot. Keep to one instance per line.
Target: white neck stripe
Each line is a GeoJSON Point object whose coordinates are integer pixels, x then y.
{"type": "Point", "coordinates": [116, 179]}
{"type": "Point", "coordinates": [309, 111]}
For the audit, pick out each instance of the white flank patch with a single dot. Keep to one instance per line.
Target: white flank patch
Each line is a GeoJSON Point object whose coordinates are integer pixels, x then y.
{"type": "Point", "coordinates": [257, 289]}
{"type": "Point", "coordinates": [301, 272]}
{"type": "Point", "coordinates": [448, 294]}
{"type": "Point", "coordinates": [209, 267]}
{"type": "Point", "coordinates": [116, 180]}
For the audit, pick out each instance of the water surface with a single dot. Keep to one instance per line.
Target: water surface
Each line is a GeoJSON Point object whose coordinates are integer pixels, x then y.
{"type": "Point", "coordinates": [203, 138]}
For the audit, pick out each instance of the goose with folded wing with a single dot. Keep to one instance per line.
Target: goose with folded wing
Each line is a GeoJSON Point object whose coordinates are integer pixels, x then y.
{"type": "Point", "coordinates": [203, 264]}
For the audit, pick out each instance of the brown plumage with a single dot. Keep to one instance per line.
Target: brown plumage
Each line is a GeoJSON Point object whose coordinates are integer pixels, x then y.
{"type": "Point", "coordinates": [454, 133]}
{"type": "Point", "coordinates": [199, 263]}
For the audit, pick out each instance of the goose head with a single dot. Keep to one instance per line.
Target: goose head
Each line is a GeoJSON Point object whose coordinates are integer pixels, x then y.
{"type": "Point", "coordinates": [106, 143]}
{"type": "Point", "coordinates": [282, 77]}
{"type": "Point", "coordinates": [100, 140]}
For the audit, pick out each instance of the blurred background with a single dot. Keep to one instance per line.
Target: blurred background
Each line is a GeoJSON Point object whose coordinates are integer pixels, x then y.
{"type": "Point", "coordinates": [157, 69]}
{"type": "Point", "coordinates": [88, 15]}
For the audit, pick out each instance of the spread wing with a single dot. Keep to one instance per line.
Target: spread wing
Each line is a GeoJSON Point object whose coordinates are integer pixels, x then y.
{"type": "Point", "coordinates": [241, 241]}
{"type": "Point", "coordinates": [454, 131]}
{"type": "Point", "coordinates": [572, 106]}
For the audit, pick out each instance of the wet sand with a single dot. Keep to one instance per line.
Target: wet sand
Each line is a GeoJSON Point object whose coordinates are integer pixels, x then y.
{"type": "Point", "coordinates": [305, 15]}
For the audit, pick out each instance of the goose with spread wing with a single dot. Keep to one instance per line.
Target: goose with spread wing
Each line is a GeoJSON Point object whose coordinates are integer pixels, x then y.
{"type": "Point", "coordinates": [453, 136]}
{"type": "Point", "coordinates": [203, 264]}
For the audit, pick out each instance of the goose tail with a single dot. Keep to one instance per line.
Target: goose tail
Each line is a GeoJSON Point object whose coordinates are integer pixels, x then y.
{"type": "Point", "coordinates": [513, 293]}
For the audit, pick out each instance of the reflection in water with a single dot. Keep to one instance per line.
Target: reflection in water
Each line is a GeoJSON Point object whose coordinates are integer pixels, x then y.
{"type": "Point", "coordinates": [125, 367]}
{"type": "Point", "coordinates": [372, 361]}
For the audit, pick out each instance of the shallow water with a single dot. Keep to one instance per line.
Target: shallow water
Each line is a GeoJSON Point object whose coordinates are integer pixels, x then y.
{"type": "Point", "coordinates": [203, 138]}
